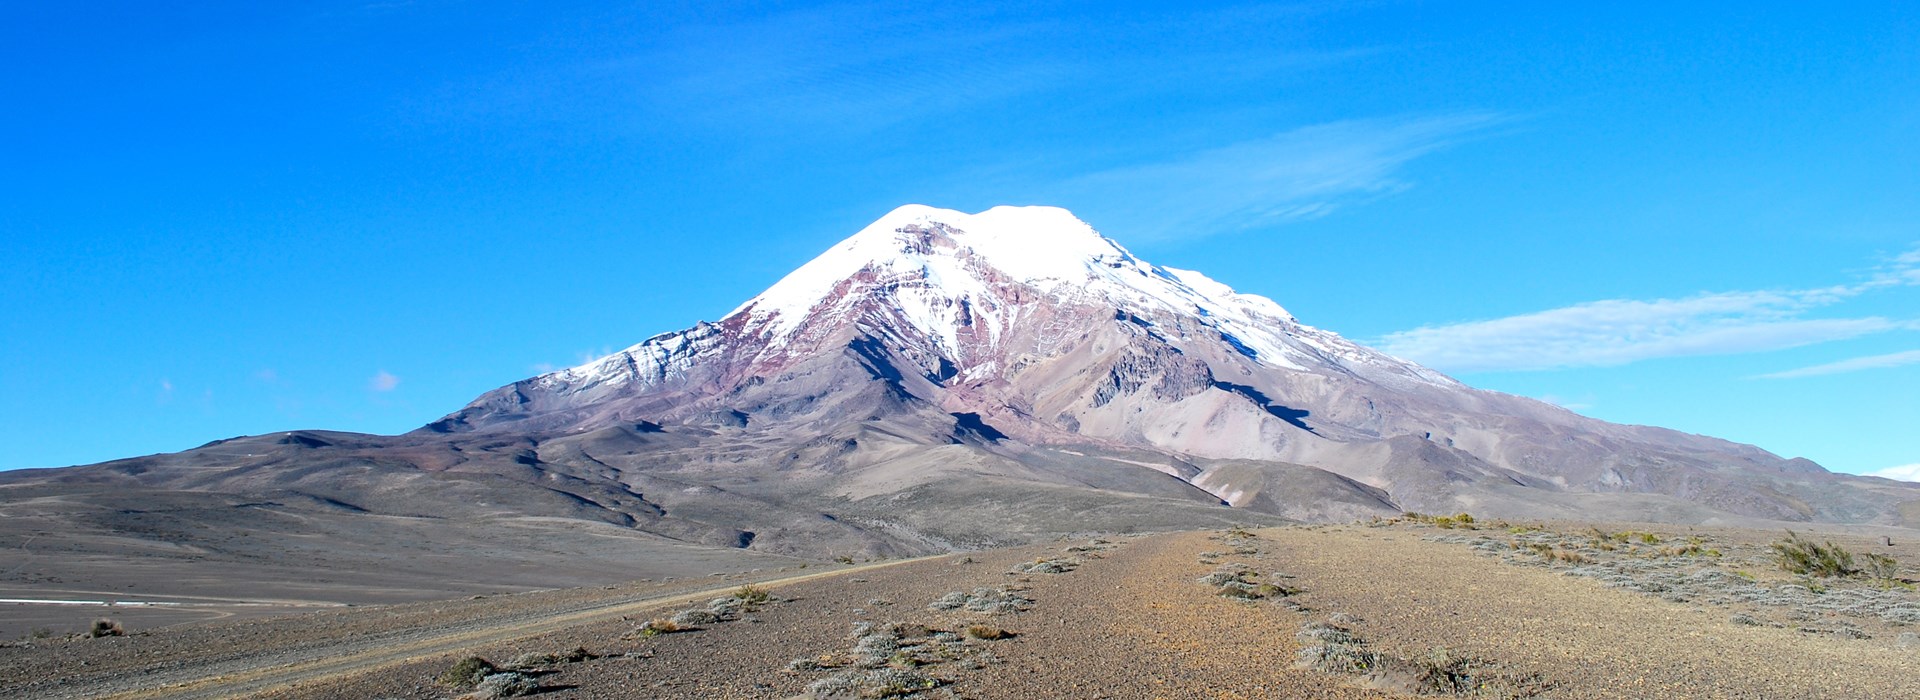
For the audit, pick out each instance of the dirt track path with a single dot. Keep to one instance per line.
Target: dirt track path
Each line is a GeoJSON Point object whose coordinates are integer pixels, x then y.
{"type": "Point", "coordinates": [277, 669]}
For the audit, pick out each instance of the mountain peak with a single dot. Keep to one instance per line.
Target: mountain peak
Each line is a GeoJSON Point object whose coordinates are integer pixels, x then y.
{"type": "Point", "coordinates": [1026, 244]}
{"type": "Point", "coordinates": [979, 295]}
{"type": "Point", "coordinates": [936, 349]}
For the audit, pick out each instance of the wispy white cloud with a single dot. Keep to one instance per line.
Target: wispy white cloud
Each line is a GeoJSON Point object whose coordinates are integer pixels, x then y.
{"type": "Point", "coordinates": [841, 68]}
{"type": "Point", "coordinates": [1904, 472]}
{"type": "Point", "coordinates": [1304, 173]}
{"type": "Point", "coordinates": [383, 381]}
{"type": "Point", "coordinates": [1895, 359]}
{"type": "Point", "coordinates": [1620, 331]}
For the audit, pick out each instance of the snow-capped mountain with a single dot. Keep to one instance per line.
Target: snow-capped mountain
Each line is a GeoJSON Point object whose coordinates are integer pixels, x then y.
{"type": "Point", "coordinates": [964, 283]}
{"type": "Point", "coordinates": [1025, 325]}
{"type": "Point", "coordinates": [943, 380]}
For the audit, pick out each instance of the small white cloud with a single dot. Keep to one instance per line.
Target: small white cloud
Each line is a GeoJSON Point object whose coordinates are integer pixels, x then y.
{"type": "Point", "coordinates": [166, 392]}
{"type": "Point", "coordinates": [587, 356]}
{"type": "Point", "coordinates": [1620, 331]}
{"type": "Point", "coordinates": [1895, 359]}
{"type": "Point", "coordinates": [383, 381]}
{"type": "Point", "coordinates": [1904, 472]}
{"type": "Point", "coordinates": [542, 367]}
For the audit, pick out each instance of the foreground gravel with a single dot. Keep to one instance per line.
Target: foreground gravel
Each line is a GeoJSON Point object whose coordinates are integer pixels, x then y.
{"type": "Point", "coordinates": [1116, 618]}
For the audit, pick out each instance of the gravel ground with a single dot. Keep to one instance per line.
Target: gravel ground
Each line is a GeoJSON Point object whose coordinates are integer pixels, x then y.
{"type": "Point", "coordinates": [1732, 571]}
{"type": "Point", "coordinates": [1130, 618]}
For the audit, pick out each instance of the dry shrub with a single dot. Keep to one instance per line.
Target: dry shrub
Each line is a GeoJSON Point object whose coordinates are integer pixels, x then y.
{"type": "Point", "coordinates": [105, 627]}
{"type": "Point", "coordinates": [988, 632]}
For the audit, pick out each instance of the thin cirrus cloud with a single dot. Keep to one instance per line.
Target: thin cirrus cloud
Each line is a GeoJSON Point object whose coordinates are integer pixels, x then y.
{"type": "Point", "coordinates": [383, 381]}
{"type": "Point", "coordinates": [1895, 359]}
{"type": "Point", "coordinates": [1904, 472]}
{"type": "Point", "coordinates": [1303, 173]}
{"type": "Point", "coordinates": [1620, 331]}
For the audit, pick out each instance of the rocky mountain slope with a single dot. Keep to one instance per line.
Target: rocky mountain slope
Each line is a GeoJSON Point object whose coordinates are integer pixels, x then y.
{"type": "Point", "coordinates": [1022, 329]}
{"type": "Point", "coordinates": [944, 380]}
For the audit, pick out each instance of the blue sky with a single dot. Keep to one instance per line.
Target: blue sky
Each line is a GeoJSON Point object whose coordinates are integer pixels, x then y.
{"type": "Point", "coordinates": [237, 218]}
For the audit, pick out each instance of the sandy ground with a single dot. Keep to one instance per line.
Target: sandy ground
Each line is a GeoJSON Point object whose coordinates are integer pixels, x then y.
{"type": "Point", "coordinates": [1128, 620]}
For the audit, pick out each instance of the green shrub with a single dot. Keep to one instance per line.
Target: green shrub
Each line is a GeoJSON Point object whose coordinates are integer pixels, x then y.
{"type": "Point", "coordinates": [467, 672]}
{"type": "Point", "coordinates": [1883, 569]}
{"type": "Point", "coordinates": [1803, 556]}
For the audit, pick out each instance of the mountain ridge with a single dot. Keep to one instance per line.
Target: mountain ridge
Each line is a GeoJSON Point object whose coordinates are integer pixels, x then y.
{"type": "Point", "coordinates": [911, 391]}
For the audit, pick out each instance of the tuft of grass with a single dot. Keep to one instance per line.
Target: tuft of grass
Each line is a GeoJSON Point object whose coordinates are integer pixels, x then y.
{"type": "Point", "coordinates": [659, 626]}
{"type": "Point", "coordinates": [1569, 556]}
{"type": "Point", "coordinates": [106, 627]}
{"type": "Point", "coordinates": [532, 660]}
{"type": "Point", "coordinates": [467, 672]}
{"type": "Point", "coordinates": [1802, 556]}
{"type": "Point", "coordinates": [1460, 521]}
{"type": "Point", "coordinates": [987, 632]}
{"type": "Point", "coordinates": [1884, 570]}
{"type": "Point", "coordinates": [1689, 549]}
{"type": "Point", "coordinates": [1552, 554]}
{"type": "Point", "coordinates": [752, 595]}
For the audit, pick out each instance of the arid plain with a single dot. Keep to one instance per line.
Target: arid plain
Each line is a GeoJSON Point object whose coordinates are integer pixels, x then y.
{"type": "Point", "coordinates": [1379, 608]}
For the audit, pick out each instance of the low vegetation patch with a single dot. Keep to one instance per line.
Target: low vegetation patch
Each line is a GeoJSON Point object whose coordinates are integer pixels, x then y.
{"type": "Point", "coordinates": [536, 660]}
{"type": "Point", "coordinates": [990, 600]}
{"type": "Point", "coordinates": [1046, 566]}
{"type": "Point", "coordinates": [467, 672]}
{"type": "Point", "coordinates": [987, 632]}
{"type": "Point", "coordinates": [1700, 570]}
{"type": "Point", "coordinates": [897, 660]}
{"type": "Point", "coordinates": [729, 608]}
{"type": "Point", "coordinates": [1243, 583]}
{"type": "Point", "coordinates": [656, 627]}
{"type": "Point", "coordinates": [507, 684]}
{"type": "Point", "coordinates": [1329, 647]}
